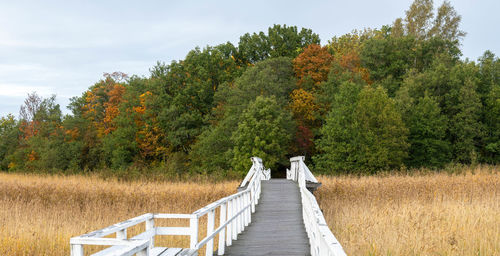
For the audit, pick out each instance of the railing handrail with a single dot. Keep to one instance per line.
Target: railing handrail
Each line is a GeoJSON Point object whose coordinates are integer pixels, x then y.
{"type": "Point", "coordinates": [235, 214]}
{"type": "Point", "coordinates": [213, 206]}
{"type": "Point", "coordinates": [321, 238]}
{"type": "Point", "coordinates": [202, 211]}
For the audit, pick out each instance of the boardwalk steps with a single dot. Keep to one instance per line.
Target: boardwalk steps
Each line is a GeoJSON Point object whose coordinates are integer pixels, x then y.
{"type": "Point", "coordinates": [266, 217]}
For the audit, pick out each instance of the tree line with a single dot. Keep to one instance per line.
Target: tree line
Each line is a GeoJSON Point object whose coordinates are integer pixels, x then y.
{"type": "Point", "coordinates": [370, 100]}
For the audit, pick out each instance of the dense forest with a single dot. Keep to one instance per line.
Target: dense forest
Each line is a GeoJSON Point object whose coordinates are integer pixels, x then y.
{"type": "Point", "coordinates": [399, 96]}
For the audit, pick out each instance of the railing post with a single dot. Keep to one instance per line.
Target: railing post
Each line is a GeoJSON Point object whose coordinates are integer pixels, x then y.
{"type": "Point", "coordinates": [76, 250]}
{"type": "Point", "coordinates": [249, 209]}
{"type": "Point", "coordinates": [210, 229]}
{"type": "Point", "coordinates": [259, 191]}
{"type": "Point", "coordinates": [122, 234]}
{"type": "Point", "coordinates": [150, 224]}
{"type": "Point", "coordinates": [252, 198]}
{"type": "Point", "coordinates": [245, 213]}
{"type": "Point", "coordinates": [193, 224]}
{"type": "Point", "coordinates": [222, 234]}
{"type": "Point", "coordinates": [238, 216]}
{"type": "Point", "coordinates": [242, 215]}
{"type": "Point", "coordinates": [234, 224]}
{"type": "Point", "coordinates": [229, 240]}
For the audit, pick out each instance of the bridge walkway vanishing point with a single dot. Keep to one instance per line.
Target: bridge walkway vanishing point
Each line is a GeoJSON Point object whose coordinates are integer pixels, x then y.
{"type": "Point", "coordinates": [277, 226]}
{"type": "Point", "coordinates": [266, 217]}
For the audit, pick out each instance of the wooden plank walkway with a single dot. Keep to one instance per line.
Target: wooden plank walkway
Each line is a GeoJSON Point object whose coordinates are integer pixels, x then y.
{"type": "Point", "coordinates": [277, 227]}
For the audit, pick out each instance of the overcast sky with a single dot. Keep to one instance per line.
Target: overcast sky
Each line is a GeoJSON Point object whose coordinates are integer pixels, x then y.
{"type": "Point", "coordinates": [63, 47]}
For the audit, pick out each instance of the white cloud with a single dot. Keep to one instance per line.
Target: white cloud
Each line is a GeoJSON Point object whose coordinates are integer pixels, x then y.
{"type": "Point", "coordinates": [18, 90]}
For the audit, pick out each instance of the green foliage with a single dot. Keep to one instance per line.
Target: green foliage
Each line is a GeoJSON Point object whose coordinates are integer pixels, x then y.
{"type": "Point", "coordinates": [265, 130]}
{"type": "Point", "coordinates": [363, 133]}
{"type": "Point", "coordinates": [9, 134]}
{"type": "Point", "coordinates": [188, 90]}
{"type": "Point", "coordinates": [280, 41]}
{"type": "Point", "coordinates": [269, 78]}
{"type": "Point", "coordinates": [492, 138]}
{"type": "Point", "coordinates": [383, 135]}
{"type": "Point", "coordinates": [338, 134]}
{"type": "Point", "coordinates": [427, 138]}
{"type": "Point", "coordinates": [465, 128]}
{"type": "Point", "coordinates": [395, 95]}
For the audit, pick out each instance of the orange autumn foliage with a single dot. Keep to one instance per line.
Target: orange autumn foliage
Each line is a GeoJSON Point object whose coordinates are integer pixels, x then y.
{"type": "Point", "coordinates": [72, 134]}
{"type": "Point", "coordinates": [111, 107]}
{"type": "Point", "coordinates": [352, 62]}
{"type": "Point", "coordinates": [29, 129]}
{"type": "Point", "coordinates": [102, 106]}
{"type": "Point", "coordinates": [32, 156]}
{"type": "Point", "coordinates": [346, 51]}
{"type": "Point", "coordinates": [149, 137]}
{"type": "Point", "coordinates": [313, 63]}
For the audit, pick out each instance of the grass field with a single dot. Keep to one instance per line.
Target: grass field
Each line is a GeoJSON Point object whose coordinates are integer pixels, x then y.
{"type": "Point", "coordinates": [428, 214]}
{"type": "Point", "coordinates": [39, 214]}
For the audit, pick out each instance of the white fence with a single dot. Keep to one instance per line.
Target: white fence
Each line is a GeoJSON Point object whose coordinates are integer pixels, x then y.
{"type": "Point", "coordinates": [321, 238]}
{"type": "Point", "coordinates": [235, 214]}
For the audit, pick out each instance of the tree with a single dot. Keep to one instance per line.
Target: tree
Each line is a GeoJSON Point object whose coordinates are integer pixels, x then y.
{"type": "Point", "coordinates": [465, 129]}
{"type": "Point", "coordinates": [337, 142]}
{"type": "Point", "coordinates": [101, 105]}
{"type": "Point", "coordinates": [265, 130]}
{"type": "Point", "coordinates": [304, 110]}
{"type": "Point", "coordinates": [418, 18]}
{"type": "Point", "coordinates": [489, 69]}
{"type": "Point", "coordinates": [27, 114]}
{"type": "Point", "coordinates": [347, 49]}
{"type": "Point", "coordinates": [269, 78]}
{"type": "Point", "coordinates": [364, 132]}
{"type": "Point", "coordinates": [187, 93]}
{"type": "Point", "coordinates": [492, 122]}
{"type": "Point", "coordinates": [254, 48]}
{"type": "Point", "coordinates": [427, 137]}
{"type": "Point", "coordinates": [303, 106]}
{"type": "Point", "coordinates": [287, 41]}
{"type": "Point", "coordinates": [280, 41]}
{"type": "Point", "coordinates": [325, 95]}
{"type": "Point", "coordinates": [314, 63]}
{"type": "Point", "coordinates": [447, 22]}
{"type": "Point", "coordinates": [420, 24]}
{"type": "Point", "coordinates": [9, 135]}
{"type": "Point", "coordinates": [383, 135]}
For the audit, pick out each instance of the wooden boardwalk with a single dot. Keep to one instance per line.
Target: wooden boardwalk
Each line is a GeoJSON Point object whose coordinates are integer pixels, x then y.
{"type": "Point", "coordinates": [266, 217]}
{"type": "Point", "coordinates": [277, 226]}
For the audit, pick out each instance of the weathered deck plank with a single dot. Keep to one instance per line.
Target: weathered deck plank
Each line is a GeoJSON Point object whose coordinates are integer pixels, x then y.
{"type": "Point", "coordinates": [277, 226]}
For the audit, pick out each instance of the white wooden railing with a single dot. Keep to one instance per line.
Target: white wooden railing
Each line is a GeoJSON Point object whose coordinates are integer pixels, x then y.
{"type": "Point", "coordinates": [235, 214]}
{"type": "Point", "coordinates": [321, 238]}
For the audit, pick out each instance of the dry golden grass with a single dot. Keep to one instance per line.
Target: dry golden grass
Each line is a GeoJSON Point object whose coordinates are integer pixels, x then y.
{"type": "Point", "coordinates": [427, 214]}
{"type": "Point", "coordinates": [38, 214]}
